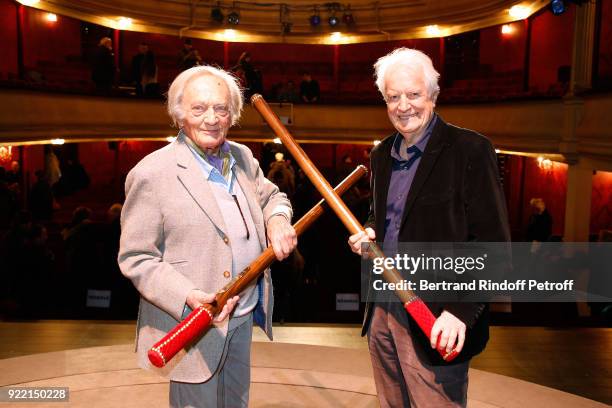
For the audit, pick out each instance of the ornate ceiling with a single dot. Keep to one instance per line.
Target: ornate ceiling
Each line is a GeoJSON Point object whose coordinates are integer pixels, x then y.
{"type": "Point", "coordinates": [289, 21]}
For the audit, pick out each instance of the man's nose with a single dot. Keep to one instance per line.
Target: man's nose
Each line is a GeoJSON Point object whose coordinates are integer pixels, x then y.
{"type": "Point", "coordinates": [404, 103]}
{"type": "Point", "coordinates": [210, 117]}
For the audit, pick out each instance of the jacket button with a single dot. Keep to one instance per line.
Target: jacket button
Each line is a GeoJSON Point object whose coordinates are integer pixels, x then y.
{"type": "Point", "coordinates": [225, 239]}
{"type": "Point", "coordinates": [226, 274]}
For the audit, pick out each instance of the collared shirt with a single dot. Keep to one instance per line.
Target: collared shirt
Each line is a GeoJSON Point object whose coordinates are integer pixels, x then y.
{"type": "Point", "coordinates": [404, 168]}
{"type": "Point", "coordinates": [212, 173]}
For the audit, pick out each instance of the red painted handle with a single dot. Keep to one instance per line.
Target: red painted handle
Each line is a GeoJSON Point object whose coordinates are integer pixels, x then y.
{"type": "Point", "coordinates": [180, 336]}
{"type": "Point", "coordinates": [425, 319]}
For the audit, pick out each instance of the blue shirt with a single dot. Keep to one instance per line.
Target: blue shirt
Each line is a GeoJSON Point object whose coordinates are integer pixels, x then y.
{"type": "Point", "coordinates": [211, 173]}
{"type": "Point", "coordinates": [402, 175]}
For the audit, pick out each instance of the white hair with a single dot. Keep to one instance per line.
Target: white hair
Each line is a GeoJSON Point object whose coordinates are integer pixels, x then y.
{"type": "Point", "coordinates": [177, 89]}
{"type": "Point", "coordinates": [413, 59]}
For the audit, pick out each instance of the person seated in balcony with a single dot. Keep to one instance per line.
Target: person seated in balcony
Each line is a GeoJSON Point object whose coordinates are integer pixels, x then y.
{"type": "Point", "coordinates": [309, 89]}
{"type": "Point", "coordinates": [288, 93]}
{"type": "Point", "coordinates": [103, 66]}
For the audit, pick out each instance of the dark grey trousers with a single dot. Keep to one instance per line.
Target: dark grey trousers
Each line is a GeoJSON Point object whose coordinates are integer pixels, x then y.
{"type": "Point", "coordinates": [402, 379]}
{"type": "Point", "coordinates": [229, 385]}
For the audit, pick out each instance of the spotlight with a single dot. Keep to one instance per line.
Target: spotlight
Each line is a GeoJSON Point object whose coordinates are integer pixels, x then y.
{"type": "Point", "coordinates": [216, 15]}
{"type": "Point", "coordinates": [348, 19]}
{"type": "Point", "coordinates": [557, 7]}
{"type": "Point", "coordinates": [233, 18]}
{"type": "Point", "coordinates": [51, 17]}
{"type": "Point", "coordinates": [315, 19]}
{"type": "Point", "coordinates": [333, 21]}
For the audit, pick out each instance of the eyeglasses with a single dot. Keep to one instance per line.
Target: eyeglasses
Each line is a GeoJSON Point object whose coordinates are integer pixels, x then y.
{"type": "Point", "coordinates": [248, 235]}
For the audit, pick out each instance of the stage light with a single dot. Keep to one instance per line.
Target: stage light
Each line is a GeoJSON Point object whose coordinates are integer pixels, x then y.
{"type": "Point", "coordinates": [51, 17]}
{"type": "Point", "coordinates": [557, 7]}
{"type": "Point", "coordinates": [315, 19]}
{"type": "Point", "coordinates": [507, 29]}
{"type": "Point", "coordinates": [277, 140]}
{"type": "Point", "coordinates": [216, 15]}
{"type": "Point", "coordinates": [347, 17]}
{"type": "Point", "coordinates": [58, 142]}
{"type": "Point", "coordinates": [124, 23]}
{"type": "Point", "coordinates": [28, 2]}
{"type": "Point", "coordinates": [333, 21]}
{"type": "Point", "coordinates": [519, 12]}
{"type": "Point", "coordinates": [433, 30]}
{"type": "Point", "coordinates": [233, 18]}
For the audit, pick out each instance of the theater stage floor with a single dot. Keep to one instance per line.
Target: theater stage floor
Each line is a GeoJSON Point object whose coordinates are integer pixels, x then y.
{"type": "Point", "coordinates": [306, 366]}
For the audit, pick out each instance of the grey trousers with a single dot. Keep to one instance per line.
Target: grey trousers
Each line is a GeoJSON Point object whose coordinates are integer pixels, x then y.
{"type": "Point", "coordinates": [402, 379]}
{"type": "Point", "coordinates": [229, 385]}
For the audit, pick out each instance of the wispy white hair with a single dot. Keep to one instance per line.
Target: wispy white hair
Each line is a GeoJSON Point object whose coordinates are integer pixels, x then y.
{"type": "Point", "coordinates": [413, 59]}
{"type": "Point", "coordinates": [177, 89]}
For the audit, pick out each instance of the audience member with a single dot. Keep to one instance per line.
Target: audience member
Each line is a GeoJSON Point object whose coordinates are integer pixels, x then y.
{"type": "Point", "coordinates": [41, 198]}
{"type": "Point", "coordinates": [103, 66]}
{"type": "Point", "coordinates": [251, 77]}
{"type": "Point", "coordinates": [188, 56]}
{"type": "Point", "coordinates": [137, 67]}
{"type": "Point", "coordinates": [288, 93]}
{"type": "Point", "coordinates": [539, 228]}
{"type": "Point", "coordinates": [309, 89]}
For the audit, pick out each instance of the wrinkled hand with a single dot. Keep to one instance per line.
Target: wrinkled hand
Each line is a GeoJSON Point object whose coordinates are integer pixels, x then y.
{"type": "Point", "coordinates": [281, 236]}
{"type": "Point", "coordinates": [451, 330]}
{"type": "Point", "coordinates": [356, 240]}
{"type": "Point", "coordinates": [197, 298]}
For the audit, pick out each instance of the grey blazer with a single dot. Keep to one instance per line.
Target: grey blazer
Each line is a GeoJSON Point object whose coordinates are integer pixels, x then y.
{"type": "Point", "coordinates": [173, 239]}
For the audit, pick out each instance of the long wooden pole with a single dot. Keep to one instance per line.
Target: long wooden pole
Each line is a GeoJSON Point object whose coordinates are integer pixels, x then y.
{"type": "Point", "coordinates": [412, 303]}
{"type": "Point", "coordinates": [201, 318]}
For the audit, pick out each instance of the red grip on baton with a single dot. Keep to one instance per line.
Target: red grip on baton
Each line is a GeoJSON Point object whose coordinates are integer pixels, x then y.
{"type": "Point", "coordinates": [425, 319]}
{"type": "Point", "coordinates": [180, 336]}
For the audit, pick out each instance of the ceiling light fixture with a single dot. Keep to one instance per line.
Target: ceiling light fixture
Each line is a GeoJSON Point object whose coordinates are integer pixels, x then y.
{"type": "Point", "coordinates": [433, 30]}
{"type": "Point", "coordinates": [124, 23]}
{"type": "Point", "coordinates": [28, 2]}
{"type": "Point", "coordinates": [519, 12]}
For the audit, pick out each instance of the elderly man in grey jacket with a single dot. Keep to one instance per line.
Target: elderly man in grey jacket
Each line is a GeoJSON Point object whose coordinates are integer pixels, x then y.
{"type": "Point", "coordinates": [196, 213]}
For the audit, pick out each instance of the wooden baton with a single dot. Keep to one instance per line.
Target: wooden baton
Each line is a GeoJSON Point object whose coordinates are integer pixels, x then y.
{"type": "Point", "coordinates": [201, 318]}
{"type": "Point", "coordinates": [412, 303]}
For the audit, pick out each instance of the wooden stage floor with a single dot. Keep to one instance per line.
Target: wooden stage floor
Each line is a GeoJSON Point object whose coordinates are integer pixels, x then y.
{"type": "Point", "coordinates": [575, 360]}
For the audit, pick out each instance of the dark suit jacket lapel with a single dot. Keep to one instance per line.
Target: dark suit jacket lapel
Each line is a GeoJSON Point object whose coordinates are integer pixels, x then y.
{"type": "Point", "coordinates": [382, 181]}
{"type": "Point", "coordinates": [437, 142]}
{"type": "Point", "coordinates": [191, 177]}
